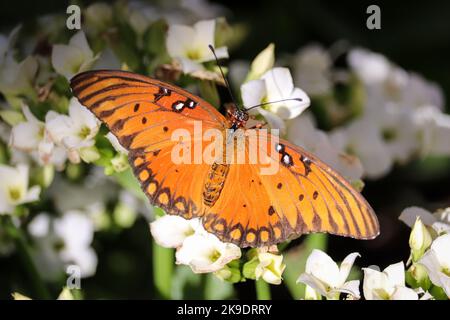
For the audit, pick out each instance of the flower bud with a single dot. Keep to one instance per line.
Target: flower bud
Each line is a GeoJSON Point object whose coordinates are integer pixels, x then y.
{"type": "Point", "coordinates": [419, 240]}
{"type": "Point", "coordinates": [262, 63]}
{"type": "Point", "coordinates": [267, 266]}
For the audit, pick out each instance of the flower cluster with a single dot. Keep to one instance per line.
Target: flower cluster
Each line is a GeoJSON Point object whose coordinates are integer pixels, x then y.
{"type": "Point", "coordinates": [204, 252]}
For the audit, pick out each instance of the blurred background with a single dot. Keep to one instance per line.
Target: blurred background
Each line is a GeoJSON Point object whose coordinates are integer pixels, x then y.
{"type": "Point", "coordinates": [414, 35]}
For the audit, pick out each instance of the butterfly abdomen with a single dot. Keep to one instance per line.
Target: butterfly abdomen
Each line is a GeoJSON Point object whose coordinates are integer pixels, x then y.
{"type": "Point", "coordinates": [214, 183]}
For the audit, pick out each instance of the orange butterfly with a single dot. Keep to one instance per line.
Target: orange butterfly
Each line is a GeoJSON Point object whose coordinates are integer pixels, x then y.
{"type": "Point", "coordinates": [234, 201]}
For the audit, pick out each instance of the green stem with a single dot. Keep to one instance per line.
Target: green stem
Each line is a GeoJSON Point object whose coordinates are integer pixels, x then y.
{"type": "Point", "coordinates": [262, 290]}
{"type": "Point", "coordinates": [163, 262]}
{"type": "Point", "coordinates": [40, 290]}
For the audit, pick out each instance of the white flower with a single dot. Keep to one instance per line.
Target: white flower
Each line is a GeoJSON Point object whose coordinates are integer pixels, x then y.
{"type": "Point", "coordinates": [387, 285]}
{"type": "Point", "coordinates": [303, 132]}
{"type": "Point", "coordinates": [324, 276]}
{"type": "Point", "coordinates": [63, 240]}
{"type": "Point", "coordinates": [439, 221]}
{"type": "Point", "coordinates": [270, 267]}
{"type": "Point", "coordinates": [74, 57]}
{"type": "Point", "coordinates": [14, 188]}
{"type": "Point", "coordinates": [189, 45]}
{"type": "Point", "coordinates": [276, 84]}
{"type": "Point", "coordinates": [75, 132]}
{"type": "Point", "coordinates": [437, 262]}
{"type": "Point", "coordinates": [77, 232]}
{"type": "Point", "coordinates": [312, 66]}
{"type": "Point", "coordinates": [204, 252]}
{"type": "Point", "coordinates": [362, 139]}
{"type": "Point", "coordinates": [31, 137]}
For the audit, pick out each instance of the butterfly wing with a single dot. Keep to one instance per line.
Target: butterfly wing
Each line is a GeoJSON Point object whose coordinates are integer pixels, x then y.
{"type": "Point", "coordinates": [304, 196]}
{"type": "Point", "coordinates": [143, 113]}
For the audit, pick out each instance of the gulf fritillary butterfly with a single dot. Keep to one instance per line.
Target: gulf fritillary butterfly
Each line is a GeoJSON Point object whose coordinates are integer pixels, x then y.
{"type": "Point", "coordinates": [234, 201]}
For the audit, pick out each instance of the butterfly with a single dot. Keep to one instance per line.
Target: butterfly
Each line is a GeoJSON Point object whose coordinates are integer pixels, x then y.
{"type": "Point", "coordinates": [234, 201]}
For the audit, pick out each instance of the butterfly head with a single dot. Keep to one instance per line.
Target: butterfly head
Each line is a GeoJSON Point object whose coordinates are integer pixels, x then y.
{"type": "Point", "coordinates": [237, 117]}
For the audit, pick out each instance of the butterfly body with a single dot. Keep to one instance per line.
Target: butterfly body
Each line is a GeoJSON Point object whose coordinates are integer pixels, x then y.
{"type": "Point", "coordinates": [235, 201]}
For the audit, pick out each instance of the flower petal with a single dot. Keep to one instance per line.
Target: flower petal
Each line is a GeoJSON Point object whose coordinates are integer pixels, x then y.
{"type": "Point", "coordinates": [346, 265]}
{"type": "Point", "coordinates": [404, 293]}
{"type": "Point", "coordinates": [396, 274]}
{"type": "Point", "coordinates": [314, 283]}
{"type": "Point", "coordinates": [409, 215]}
{"type": "Point", "coordinates": [321, 266]}
{"type": "Point", "coordinates": [351, 287]}
{"type": "Point", "coordinates": [171, 231]}
{"type": "Point", "coordinates": [253, 93]}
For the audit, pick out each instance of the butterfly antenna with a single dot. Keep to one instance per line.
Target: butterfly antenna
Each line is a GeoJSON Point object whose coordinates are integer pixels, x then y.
{"type": "Point", "coordinates": [223, 76]}
{"type": "Point", "coordinates": [271, 102]}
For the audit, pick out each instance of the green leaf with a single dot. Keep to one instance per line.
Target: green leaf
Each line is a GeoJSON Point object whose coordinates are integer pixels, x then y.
{"type": "Point", "coordinates": [163, 264]}
{"type": "Point", "coordinates": [295, 260]}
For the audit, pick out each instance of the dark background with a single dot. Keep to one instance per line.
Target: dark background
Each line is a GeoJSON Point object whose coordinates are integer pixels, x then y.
{"type": "Point", "coordinates": [414, 34]}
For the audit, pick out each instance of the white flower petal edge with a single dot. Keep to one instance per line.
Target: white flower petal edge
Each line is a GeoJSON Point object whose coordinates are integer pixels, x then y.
{"type": "Point", "coordinates": [409, 215]}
